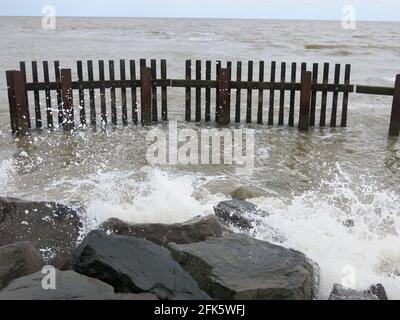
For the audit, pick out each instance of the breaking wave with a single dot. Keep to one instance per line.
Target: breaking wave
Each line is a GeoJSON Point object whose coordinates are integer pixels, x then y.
{"type": "Point", "coordinates": [340, 226]}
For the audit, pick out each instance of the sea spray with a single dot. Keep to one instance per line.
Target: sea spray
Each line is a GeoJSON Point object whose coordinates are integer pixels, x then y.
{"type": "Point", "coordinates": [6, 175]}
{"type": "Point", "coordinates": [148, 196]}
{"type": "Point", "coordinates": [349, 230]}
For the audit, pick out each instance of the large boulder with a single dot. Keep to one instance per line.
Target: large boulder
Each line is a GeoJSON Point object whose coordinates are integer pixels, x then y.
{"type": "Point", "coordinates": [238, 213]}
{"type": "Point", "coordinates": [134, 265]}
{"type": "Point", "coordinates": [52, 228]}
{"type": "Point", "coordinates": [17, 260]}
{"type": "Point", "coordinates": [240, 267]}
{"type": "Point", "coordinates": [195, 230]}
{"type": "Point", "coordinates": [69, 285]}
{"type": "Point", "coordinates": [341, 293]}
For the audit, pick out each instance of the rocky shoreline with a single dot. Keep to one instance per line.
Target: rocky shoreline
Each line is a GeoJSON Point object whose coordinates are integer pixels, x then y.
{"type": "Point", "coordinates": [200, 259]}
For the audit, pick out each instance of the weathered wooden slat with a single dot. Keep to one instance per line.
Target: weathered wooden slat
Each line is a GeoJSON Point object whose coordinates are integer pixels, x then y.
{"type": "Point", "coordinates": [92, 103]}
{"type": "Point", "coordinates": [11, 101]}
{"type": "Point", "coordinates": [67, 99]}
{"type": "Point", "coordinates": [375, 90]}
{"type": "Point", "coordinates": [114, 118]}
{"type": "Point", "coordinates": [249, 92]}
{"type": "Point", "coordinates": [281, 118]}
{"type": "Point", "coordinates": [224, 96]}
{"type": "Point", "coordinates": [19, 105]}
{"type": "Point", "coordinates": [325, 79]}
{"type": "Point", "coordinates": [394, 128]}
{"type": "Point", "coordinates": [124, 107]}
{"type": "Point", "coordinates": [22, 67]}
{"type": "Point", "coordinates": [57, 72]}
{"type": "Point", "coordinates": [132, 67]}
{"type": "Point", "coordinates": [238, 91]}
{"type": "Point", "coordinates": [46, 78]}
{"type": "Point", "coordinates": [208, 92]}
{"type": "Point", "coordinates": [178, 83]}
{"type": "Point", "coordinates": [314, 95]}
{"type": "Point", "coordinates": [335, 96]}
{"type": "Point", "coordinates": [103, 110]}
{"type": "Point", "coordinates": [82, 111]}
{"type": "Point", "coordinates": [36, 95]}
{"type": "Point", "coordinates": [146, 87]}
{"type": "Point", "coordinates": [164, 108]}
{"type": "Point", "coordinates": [272, 95]}
{"type": "Point", "coordinates": [188, 96]}
{"type": "Point", "coordinates": [292, 94]}
{"type": "Point", "coordinates": [229, 67]}
{"type": "Point", "coordinates": [198, 92]}
{"type": "Point", "coordinates": [260, 94]}
{"type": "Point", "coordinates": [217, 104]}
{"type": "Point", "coordinates": [305, 96]}
{"type": "Point", "coordinates": [154, 107]}
{"type": "Point", "coordinates": [343, 122]}
{"type": "Point", "coordinates": [303, 67]}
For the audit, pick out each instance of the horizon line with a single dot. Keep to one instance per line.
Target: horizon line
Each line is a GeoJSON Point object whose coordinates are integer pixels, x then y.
{"type": "Point", "coordinates": [199, 18]}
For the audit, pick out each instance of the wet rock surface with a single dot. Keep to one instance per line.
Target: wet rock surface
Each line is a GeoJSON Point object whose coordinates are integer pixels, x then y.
{"type": "Point", "coordinates": [341, 293]}
{"type": "Point", "coordinates": [238, 213]}
{"type": "Point", "coordinates": [69, 285]}
{"type": "Point", "coordinates": [195, 230]}
{"type": "Point", "coordinates": [240, 267]}
{"type": "Point", "coordinates": [17, 260]}
{"type": "Point", "coordinates": [134, 265]}
{"type": "Point", "coordinates": [52, 228]}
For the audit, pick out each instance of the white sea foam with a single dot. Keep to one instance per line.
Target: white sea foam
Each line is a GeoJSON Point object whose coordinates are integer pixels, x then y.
{"type": "Point", "coordinates": [314, 223]}
{"type": "Point", "coordinates": [6, 173]}
{"type": "Point", "coordinates": [148, 196]}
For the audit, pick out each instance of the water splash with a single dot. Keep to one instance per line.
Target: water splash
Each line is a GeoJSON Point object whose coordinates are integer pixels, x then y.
{"type": "Point", "coordinates": [146, 196]}
{"type": "Point", "coordinates": [342, 223]}
{"type": "Point", "coordinates": [7, 172]}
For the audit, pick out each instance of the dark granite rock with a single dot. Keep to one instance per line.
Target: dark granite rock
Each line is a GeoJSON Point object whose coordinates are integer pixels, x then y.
{"type": "Point", "coordinates": [69, 286]}
{"type": "Point", "coordinates": [195, 230]}
{"type": "Point", "coordinates": [17, 260]}
{"type": "Point", "coordinates": [341, 293]}
{"type": "Point", "coordinates": [240, 267]}
{"type": "Point", "coordinates": [134, 265]}
{"type": "Point", "coordinates": [379, 291]}
{"type": "Point", "coordinates": [52, 228]}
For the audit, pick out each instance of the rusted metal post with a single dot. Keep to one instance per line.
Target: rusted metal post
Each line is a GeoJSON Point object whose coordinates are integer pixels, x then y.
{"type": "Point", "coordinates": [19, 113]}
{"type": "Point", "coordinates": [224, 97]}
{"type": "Point", "coordinates": [394, 128]}
{"type": "Point", "coordinates": [305, 96]}
{"type": "Point", "coordinates": [146, 88]}
{"type": "Point", "coordinates": [67, 100]}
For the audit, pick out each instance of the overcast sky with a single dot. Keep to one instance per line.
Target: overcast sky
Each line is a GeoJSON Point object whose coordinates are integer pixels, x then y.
{"type": "Point", "coordinates": [379, 10]}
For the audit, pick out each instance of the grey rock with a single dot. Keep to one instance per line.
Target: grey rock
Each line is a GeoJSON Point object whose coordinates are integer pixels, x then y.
{"type": "Point", "coordinates": [134, 265]}
{"type": "Point", "coordinates": [240, 267]}
{"type": "Point", "coordinates": [379, 291]}
{"type": "Point", "coordinates": [238, 213]}
{"type": "Point", "coordinates": [52, 228]}
{"type": "Point", "coordinates": [248, 192]}
{"type": "Point", "coordinates": [341, 293]}
{"type": "Point", "coordinates": [69, 286]}
{"type": "Point", "coordinates": [195, 230]}
{"type": "Point", "coordinates": [17, 260]}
